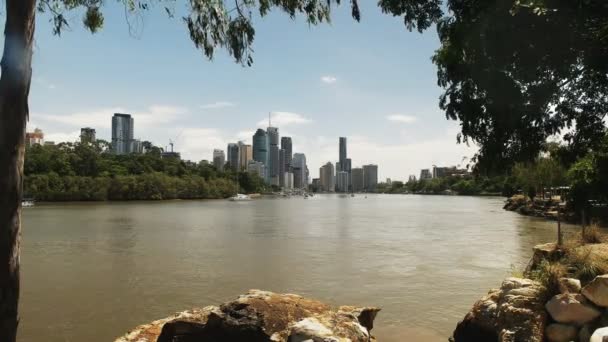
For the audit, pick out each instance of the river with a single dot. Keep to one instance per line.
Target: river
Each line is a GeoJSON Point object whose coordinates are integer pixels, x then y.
{"type": "Point", "coordinates": [93, 271]}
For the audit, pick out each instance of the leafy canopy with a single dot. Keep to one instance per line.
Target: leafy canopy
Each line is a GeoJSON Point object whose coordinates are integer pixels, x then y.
{"type": "Point", "coordinates": [228, 24]}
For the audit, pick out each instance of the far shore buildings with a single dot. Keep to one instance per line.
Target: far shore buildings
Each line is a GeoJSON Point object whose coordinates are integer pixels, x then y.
{"type": "Point", "coordinates": [34, 138]}
{"type": "Point", "coordinates": [122, 134]}
{"type": "Point", "coordinates": [425, 174]}
{"type": "Point", "coordinates": [219, 159]}
{"type": "Point", "coordinates": [370, 177]}
{"type": "Point", "coordinates": [357, 179]}
{"type": "Point", "coordinates": [326, 178]}
{"type": "Point", "coordinates": [87, 135]}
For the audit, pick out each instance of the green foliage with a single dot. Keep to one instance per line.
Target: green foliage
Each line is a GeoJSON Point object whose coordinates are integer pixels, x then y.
{"type": "Point", "coordinates": [589, 178]}
{"type": "Point", "coordinates": [519, 72]}
{"type": "Point", "coordinates": [534, 177]}
{"type": "Point", "coordinates": [88, 172]}
{"type": "Point", "coordinates": [548, 274]}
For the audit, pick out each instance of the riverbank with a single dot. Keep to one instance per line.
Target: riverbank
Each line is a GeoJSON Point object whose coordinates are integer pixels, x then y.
{"type": "Point", "coordinates": [563, 296]}
{"type": "Point", "coordinates": [542, 208]}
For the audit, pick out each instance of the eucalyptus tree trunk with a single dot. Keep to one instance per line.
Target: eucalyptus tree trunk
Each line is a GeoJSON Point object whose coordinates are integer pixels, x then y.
{"type": "Point", "coordinates": [15, 82]}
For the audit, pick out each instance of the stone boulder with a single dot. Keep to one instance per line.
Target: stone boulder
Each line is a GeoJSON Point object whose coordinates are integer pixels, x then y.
{"type": "Point", "coordinates": [569, 285]}
{"type": "Point", "coordinates": [557, 332]}
{"type": "Point", "coordinates": [597, 291]}
{"type": "Point", "coordinates": [571, 308]}
{"type": "Point", "coordinates": [512, 313]}
{"type": "Point", "coordinates": [600, 335]}
{"type": "Point", "coordinates": [261, 316]}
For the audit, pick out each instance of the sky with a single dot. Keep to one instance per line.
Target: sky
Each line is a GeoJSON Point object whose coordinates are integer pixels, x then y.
{"type": "Point", "coordinates": [372, 82]}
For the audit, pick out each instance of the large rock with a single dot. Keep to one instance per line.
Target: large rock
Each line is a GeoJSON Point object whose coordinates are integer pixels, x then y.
{"type": "Point", "coordinates": [557, 332]}
{"type": "Point", "coordinates": [597, 290]}
{"type": "Point", "coordinates": [600, 335]}
{"type": "Point", "coordinates": [571, 308]}
{"type": "Point", "coordinates": [261, 316]}
{"type": "Point", "coordinates": [512, 313]}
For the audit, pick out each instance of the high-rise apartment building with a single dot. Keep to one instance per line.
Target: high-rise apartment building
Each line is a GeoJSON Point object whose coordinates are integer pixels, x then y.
{"type": "Point", "coordinates": [273, 155]}
{"type": "Point", "coordinates": [282, 170]}
{"type": "Point", "coordinates": [233, 156]}
{"type": "Point", "coordinates": [87, 135]}
{"type": "Point", "coordinates": [256, 167]}
{"type": "Point", "coordinates": [342, 181]}
{"type": "Point", "coordinates": [357, 179]}
{"type": "Point", "coordinates": [300, 171]}
{"type": "Point", "coordinates": [245, 155]}
{"type": "Point", "coordinates": [425, 174]}
{"type": "Point", "coordinates": [370, 177]}
{"type": "Point", "coordinates": [219, 159]}
{"type": "Point", "coordinates": [122, 133]}
{"type": "Point", "coordinates": [286, 145]}
{"type": "Point", "coordinates": [326, 175]}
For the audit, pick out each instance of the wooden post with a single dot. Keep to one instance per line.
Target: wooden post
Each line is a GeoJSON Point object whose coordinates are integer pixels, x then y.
{"type": "Point", "coordinates": [559, 227]}
{"type": "Point", "coordinates": [583, 219]}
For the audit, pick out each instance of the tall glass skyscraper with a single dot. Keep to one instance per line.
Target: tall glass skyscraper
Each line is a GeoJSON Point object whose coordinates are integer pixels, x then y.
{"type": "Point", "coordinates": [233, 156]}
{"type": "Point", "coordinates": [122, 133]}
{"type": "Point", "coordinates": [260, 147]}
{"type": "Point", "coordinates": [343, 156]}
{"type": "Point", "coordinates": [273, 155]}
{"type": "Point", "coordinates": [287, 146]}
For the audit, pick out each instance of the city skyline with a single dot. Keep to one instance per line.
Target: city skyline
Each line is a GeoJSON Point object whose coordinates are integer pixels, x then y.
{"type": "Point", "coordinates": [321, 83]}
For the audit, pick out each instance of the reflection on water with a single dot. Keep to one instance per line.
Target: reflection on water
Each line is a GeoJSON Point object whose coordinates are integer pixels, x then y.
{"type": "Point", "coordinates": [92, 271]}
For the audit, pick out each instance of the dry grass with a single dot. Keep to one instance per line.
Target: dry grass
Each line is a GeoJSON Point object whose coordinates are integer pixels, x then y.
{"type": "Point", "coordinates": [593, 234]}
{"type": "Point", "coordinates": [587, 262]}
{"type": "Point", "coordinates": [548, 274]}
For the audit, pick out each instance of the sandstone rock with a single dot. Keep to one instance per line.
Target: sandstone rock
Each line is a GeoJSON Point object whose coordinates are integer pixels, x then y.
{"type": "Point", "coordinates": [261, 316]}
{"type": "Point", "coordinates": [512, 313]}
{"type": "Point", "coordinates": [600, 335]}
{"type": "Point", "coordinates": [597, 290]}
{"type": "Point", "coordinates": [571, 308]}
{"type": "Point", "coordinates": [557, 332]}
{"type": "Point", "coordinates": [569, 285]}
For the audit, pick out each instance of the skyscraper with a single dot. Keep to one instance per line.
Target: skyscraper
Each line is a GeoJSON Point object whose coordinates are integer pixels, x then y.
{"type": "Point", "coordinates": [282, 167]}
{"type": "Point", "coordinates": [233, 156]}
{"type": "Point", "coordinates": [370, 177]}
{"type": "Point", "coordinates": [245, 155]}
{"type": "Point", "coordinates": [425, 174]}
{"type": "Point", "coordinates": [256, 167]}
{"type": "Point", "coordinates": [219, 159]}
{"type": "Point", "coordinates": [122, 133]}
{"type": "Point", "coordinates": [326, 175]}
{"type": "Point", "coordinates": [260, 146]}
{"type": "Point", "coordinates": [287, 146]}
{"type": "Point", "coordinates": [300, 174]}
{"type": "Point", "coordinates": [356, 179]}
{"type": "Point", "coordinates": [87, 135]}
{"type": "Point", "coordinates": [273, 155]}
{"type": "Point", "coordinates": [343, 156]}
{"type": "Point", "coordinates": [342, 181]}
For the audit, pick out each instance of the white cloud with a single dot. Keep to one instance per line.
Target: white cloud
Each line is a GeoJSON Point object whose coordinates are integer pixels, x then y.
{"type": "Point", "coordinates": [401, 118]}
{"type": "Point", "coordinates": [102, 118]}
{"type": "Point", "coordinates": [282, 119]}
{"type": "Point", "coordinates": [218, 105]}
{"type": "Point", "coordinates": [329, 79]}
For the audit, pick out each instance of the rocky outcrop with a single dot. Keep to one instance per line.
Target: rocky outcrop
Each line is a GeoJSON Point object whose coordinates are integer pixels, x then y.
{"type": "Point", "coordinates": [517, 312]}
{"type": "Point", "coordinates": [262, 316]}
{"type": "Point", "coordinates": [545, 208]}
{"type": "Point", "coordinates": [511, 313]}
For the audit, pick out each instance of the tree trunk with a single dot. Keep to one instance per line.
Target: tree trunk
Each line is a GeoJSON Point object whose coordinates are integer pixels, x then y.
{"type": "Point", "coordinates": [15, 81]}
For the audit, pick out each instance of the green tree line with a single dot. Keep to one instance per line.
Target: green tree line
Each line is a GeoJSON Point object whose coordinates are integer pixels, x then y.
{"type": "Point", "coordinates": [90, 172]}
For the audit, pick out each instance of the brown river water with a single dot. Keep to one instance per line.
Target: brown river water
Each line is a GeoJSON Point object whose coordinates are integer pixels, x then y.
{"type": "Point", "coordinates": [93, 271]}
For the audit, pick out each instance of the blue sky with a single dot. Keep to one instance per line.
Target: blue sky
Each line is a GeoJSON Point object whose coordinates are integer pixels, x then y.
{"type": "Point", "coordinates": [372, 82]}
